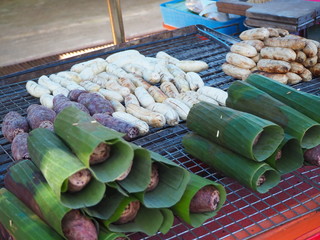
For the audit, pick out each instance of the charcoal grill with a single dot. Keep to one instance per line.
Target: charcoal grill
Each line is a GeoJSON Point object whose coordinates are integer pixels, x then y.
{"type": "Point", "coordinates": [245, 214]}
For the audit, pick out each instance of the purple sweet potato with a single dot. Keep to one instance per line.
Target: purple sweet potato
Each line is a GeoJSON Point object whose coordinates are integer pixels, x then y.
{"type": "Point", "coordinates": [312, 156]}
{"type": "Point", "coordinates": [205, 200]}
{"type": "Point", "coordinates": [129, 213]}
{"type": "Point", "coordinates": [13, 124]}
{"type": "Point", "coordinates": [117, 124]}
{"type": "Point", "coordinates": [36, 114]}
{"type": "Point", "coordinates": [154, 178]}
{"type": "Point", "coordinates": [60, 102]}
{"type": "Point", "coordinates": [74, 94]}
{"type": "Point", "coordinates": [79, 180]}
{"type": "Point", "coordinates": [76, 226]}
{"type": "Point", "coordinates": [19, 147]}
{"type": "Point", "coordinates": [95, 103]}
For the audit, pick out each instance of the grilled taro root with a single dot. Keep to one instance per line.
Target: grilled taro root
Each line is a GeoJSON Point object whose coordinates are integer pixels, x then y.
{"type": "Point", "coordinates": [76, 226]}
{"type": "Point", "coordinates": [129, 213]}
{"type": "Point", "coordinates": [13, 124]}
{"type": "Point", "coordinates": [74, 94]}
{"type": "Point", "coordinates": [95, 103]}
{"type": "Point", "coordinates": [60, 102]}
{"type": "Point", "coordinates": [100, 154]}
{"type": "Point", "coordinates": [154, 178]}
{"type": "Point", "coordinates": [37, 114]}
{"type": "Point", "coordinates": [119, 125]}
{"type": "Point", "coordinates": [19, 147]}
{"type": "Point", "coordinates": [79, 180]}
{"type": "Point", "coordinates": [313, 155]}
{"type": "Point", "coordinates": [205, 200]}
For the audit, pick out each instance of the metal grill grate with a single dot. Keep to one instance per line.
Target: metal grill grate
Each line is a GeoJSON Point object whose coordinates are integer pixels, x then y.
{"type": "Point", "coordinates": [245, 213]}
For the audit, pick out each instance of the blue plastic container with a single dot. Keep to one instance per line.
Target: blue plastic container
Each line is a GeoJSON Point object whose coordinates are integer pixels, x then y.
{"type": "Point", "coordinates": [175, 14]}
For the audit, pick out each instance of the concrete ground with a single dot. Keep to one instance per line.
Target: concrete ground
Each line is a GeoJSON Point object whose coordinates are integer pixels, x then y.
{"type": "Point", "coordinates": [34, 29]}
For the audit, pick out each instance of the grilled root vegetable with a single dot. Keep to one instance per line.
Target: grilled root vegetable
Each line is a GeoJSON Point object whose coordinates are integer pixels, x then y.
{"type": "Point", "coordinates": [72, 76]}
{"type": "Point", "coordinates": [47, 100]}
{"type": "Point", "coordinates": [205, 200]}
{"type": "Point", "coordinates": [194, 80]}
{"type": "Point", "coordinates": [312, 156]}
{"type": "Point", "coordinates": [234, 71]}
{"type": "Point", "coordinates": [273, 66]}
{"type": "Point", "coordinates": [244, 49]}
{"type": "Point", "coordinates": [111, 95]}
{"type": "Point", "coordinates": [60, 102]}
{"type": "Point", "coordinates": [152, 118]}
{"type": "Point", "coordinates": [61, 90]}
{"type": "Point", "coordinates": [131, 99]}
{"type": "Point", "coordinates": [154, 179]}
{"type": "Point", "coordinates": [36, 90]}
{"type": "Point", "coordinates": [293, 78]}
{"type": "Point", "coordinates": [295, 44]}
{"type": "Point", "coordinates": [100, 154]}
{"type": "Point", "coordinates": [310, 49]}
{"type": "Point", "coordinates": [216, 93]}
{"type": "Point", "coordinates": [306, 75]}
{"type": "Point", "coordinates": [48, 83]}
{"type": "Point", "coordinates": [19, 147]}
{"type": "Point", "coordinates": [255, 34]}
{"type": "Point", "coordinates": [95, 103]}
{"type": "Point", "coordinates": [76, 226]}
{"type": "Point", "coordinates": [13, 124]}
{"type": "Point", "coordinates": [296, 67]}
{"type": "Point", "coordinates": [301, 57]}
{"type": "Point", "coordinates": [240, 61]}
{"type": "Point", "coordinates": [309, 62]}
{"type": "Point", "coordinates": [36, 114]}
{"type": "Point", "coordinates": [129, 213]}
{"type": "Point", "coordinates": [172, 117]}
{"type": "Point", "coordinates": [315, 70]}
{"type": "Point", "coordinates": [74, 94]}
{"type": "Point", "coordinates": [257, 44]}
{"type": "Point", "coordinates": [181, 108]}
{"type": "Point", "coordinates": [169, 89]}
{"type": "Point", "coordinates": [278, 53]}
{"type": "Point", "coordinates": [144, 97]}
{"type": "Point", "coordinates": [157, 94]}
{"type": "Point", "coordinates": [192, 66]}
{"type": "Point", "coordinates": [279, 77]}
{"type": "Point", "coordinates": [79, 180]}
{"type": "Point", "coordinates": [141, 125]}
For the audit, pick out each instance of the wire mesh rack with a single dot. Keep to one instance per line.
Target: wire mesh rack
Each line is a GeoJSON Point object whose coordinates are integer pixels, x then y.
{"type": "Point", "coordinates": [246, 213]}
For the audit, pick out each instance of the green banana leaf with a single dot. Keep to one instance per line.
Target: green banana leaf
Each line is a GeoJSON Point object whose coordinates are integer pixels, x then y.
{"type": "Point", "coordinates": [303, 102]}
{"type": "Point", "coordinates": [139, 176]}
{"type": "Point", "coordinates": [20, 222]}
{"type": "Point", "coordinates": [291, 156]}
{"type": "Point", "coordinates": [168, 219]}
{"type": "Point", "coordinates": [57, 163]}
{"type": "Point", "coordinates": [83, 134]}
{"type": "Point", "coordinates": [173, 180]}
{"type": "Point", "coordinates": [245, 97]}
{"type": "Point", "coordinates": [105, 234]}
{"type": "Point", "coordinates": [244, 170]}
{"type": "Point", "coordinates": [182, 208]}
{"type": "Point", "coordinates": [235, 130]}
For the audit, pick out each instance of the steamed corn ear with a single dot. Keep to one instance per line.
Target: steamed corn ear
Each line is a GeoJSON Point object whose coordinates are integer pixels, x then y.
{"type": "Point", "coordinates": [245, 97]}
{"type": "Point", "coordinates": [288, 156]}
{"type": "Point", "coordinates": [26, 182]}
{"type": "Point", "coordinates": [170, 185]}
{"type": "Point", "coordinates": [99, 148]}
{"type": "Point", "coordinates": [303, 102]}
{"type": "Point", "coordinates": [241, 132]}
{"type": "Point", "coordinates": [139, 176]}
{"type": "Point", "coordinates": [120, 213]}
{"type": "Point", "coordinates": [202, 200]}
{"type": "Point", "coordinates": [257, 176]}
{"type": "Point", "coordinates": [20, 222]}
{"type": "Point", "coordinates": [57, 163]}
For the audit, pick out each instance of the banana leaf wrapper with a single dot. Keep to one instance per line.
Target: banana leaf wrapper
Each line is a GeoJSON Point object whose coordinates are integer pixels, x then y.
{"type": "Point", "coordinates": [105, 234]}
{"type": "Point", "coordinates": [20, 222]}
{"type": "Point", "coordinates": [235, 130]}
{"type": "Point", "coordinates": [140, 173]}
{"type": "Point", "coordinates": [83, 134]}
{"type": "Point", "coordinates": [291, 157]}
{"type": "Point", "coordinates": [182, 208]}
{"type": "Point", "coordinates": [303, 102]}
{"type": "Point", "coordinates": [173, 181]}
{"type": "Point", "coordinates": [245, 97]}
{"type": "Point", "coordinates": [244, 170]}
{"type": "Point", "coordinates": [109, 210]}
{"type": "Point", "coordinates": [57, 163]}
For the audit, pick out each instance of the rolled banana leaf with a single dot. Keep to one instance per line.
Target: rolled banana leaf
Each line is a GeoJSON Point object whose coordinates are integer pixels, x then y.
{"type": "Point", "coordinates": [99, 148]}
{"type": "Point", "coordinates": [20, 222]}
{"type": "Point", "coordinates": [57, 164]}
{"type": "Point", "coordinates": [105, 234]}
{"type": "Point", "coordinates": [257, 176]}
{"type": "Point", "coordinates": [303, 102]}
{"type": "Point", "coordinates": [183, 210]}
{"type": "Point", "coordinates": [245, 97]}
{"type": "Point", "coordinates": [241, 132]}
{"type": "Point", "coordinates": [173, 181]}
{"type": "Point", "coordinates": [110, 210]}
{"type": "Point", "coordinates": [139, 177]}
{"type": "Point", "coordinates": [288, 157]}
{"type": "Point", "coordinates": [168, 219]}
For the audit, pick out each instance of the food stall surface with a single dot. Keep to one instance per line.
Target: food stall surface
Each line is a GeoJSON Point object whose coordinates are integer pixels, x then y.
{"type": "Point", "coordinates": [246, 214]}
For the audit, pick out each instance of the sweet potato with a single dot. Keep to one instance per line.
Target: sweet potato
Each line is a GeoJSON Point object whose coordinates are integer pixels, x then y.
{"type": "Point", "coordinates": [95, 103]}
{"type": "Point", "coordinates": [205, 200]}
{"type": "Point", "coordinates": [296, 67]}
{"type": "Point", "coordinates": [255, 34]}
{"type": "Point", "coordinates": [295, 44]}
{"type": "Point", "coordinates": [310, 62]}
{"type": "Point", "coordinates": [13, 124]}
{"type": "Point", "coordinates": [79, 180]}
{"type": "Point", "coordinates": [74, 94]}
{"type": "Point", "coordinates": [273, 66]}
{"type": "Point", "coordinates": [36, 114]}
{"type": "Point", "coordinates": [306, 75]}
{"type": "Point", "coordinates": [293, 78]}
{"type": "Point", "coordinates": [278, 53]}
{"type": "Point", "coordinates": [119, 125]}
{"type": "Point", "coordinates": [240, 61]}
{"type": "Point", "coordinates": [279, 77]}
{"type": "Point", "coordinates": [234, 71]}
{"type": "Point", "coordinates": [301, 57]}
{"type": "Point", "coordinates": [310, 49]}
{"type": "Point", "coordinates": [129, 213]}
{"type": "Point", "coordinates": [312, 155]}
{"type": "Point", "coordinates": [315, 70]}
{"type": "Point", "coordinates": [257, 44]}
{"type": "Point", "coordinates": [76, 226]}
{"type": "Point", "coordinates": [243, 49]}
{"type": "Point", "coordinates": [19, 147]}
{"type": "Point", "coordinates": [60, 102]}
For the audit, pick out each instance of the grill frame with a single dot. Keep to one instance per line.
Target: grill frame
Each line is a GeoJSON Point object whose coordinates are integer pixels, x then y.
{"type": "Point", "coordinates": [245, 214]}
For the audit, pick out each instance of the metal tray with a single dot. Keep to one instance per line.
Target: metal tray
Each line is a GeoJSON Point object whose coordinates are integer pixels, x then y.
{"type": "Point", "coordinates": [245, 214]}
